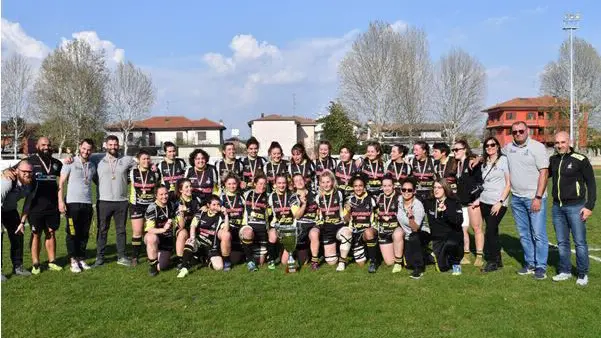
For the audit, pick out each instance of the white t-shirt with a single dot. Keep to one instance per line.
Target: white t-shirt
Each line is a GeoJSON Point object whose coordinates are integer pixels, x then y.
{"type": "Point", "coordinates": [494, 182]}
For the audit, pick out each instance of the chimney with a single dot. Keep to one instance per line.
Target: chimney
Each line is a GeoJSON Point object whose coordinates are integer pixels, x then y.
{"type": "Point", "coordinates": [262, 115]}
{"type": "Point", "coordinates": [221, 122]}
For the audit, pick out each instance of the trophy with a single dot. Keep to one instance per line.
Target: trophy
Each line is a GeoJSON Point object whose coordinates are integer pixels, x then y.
{"type": "Point", "coordinates": [288, 237]}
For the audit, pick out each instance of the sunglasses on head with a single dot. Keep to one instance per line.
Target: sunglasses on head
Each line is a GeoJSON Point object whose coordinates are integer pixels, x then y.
{"type": "Point", "coordinates": [406, 190]}
{"type": "Point", "coordinates": [491, 145]}
{"type": "Point", "coordinates": [518, 131]}
{"type": "Point", "coordinates": [457, 149]}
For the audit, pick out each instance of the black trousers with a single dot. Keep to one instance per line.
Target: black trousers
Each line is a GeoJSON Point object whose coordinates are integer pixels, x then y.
{"type": "Point", "coordinates": [492, 245]}
{"type": "Point", "coordinates": [414, 252]}
{"type": "Point", "coordinates": [79, 218]}
{"type": "Point", "coordinates": [107, 210]}
{"type": "Point", "coordinates": [449, 250]}
{"type": "Point", "coordinates": [11, 221]}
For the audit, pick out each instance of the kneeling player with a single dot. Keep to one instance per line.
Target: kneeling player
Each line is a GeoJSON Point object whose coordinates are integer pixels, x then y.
{"type": "Point", "coordinates": [360, 215]}
{"type": "Point", "coordinates": [188, 205]}
{"type": "Point", "coordinates": [209, 235]}
{"type": "Point", "coordinates": [304, 208]}
{"type": "Point", "coordinates": [253, 234]}
{"type": "Point", "coordinates": [159, 231]}
{"type": "Point", "coordinates": [330, 202]}
{"type": "Point", "coordinates": [390, 234]}
{"type": "Point", "coordinates": [233, 202]}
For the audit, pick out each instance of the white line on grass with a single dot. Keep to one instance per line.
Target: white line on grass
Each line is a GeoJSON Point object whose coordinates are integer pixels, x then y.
{"type": "Point", "coordinates": [595, 258]}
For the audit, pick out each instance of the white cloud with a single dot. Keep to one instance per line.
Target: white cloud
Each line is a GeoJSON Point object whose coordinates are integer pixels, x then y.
{"type": "Point", "coordinates": [399, 26]}
{"type": "Point", "coordinates": [111, 51]}
{"type": "Point", "coordinates": [498, 21]}
{"type": "Point", "coordinates": [15, 40]}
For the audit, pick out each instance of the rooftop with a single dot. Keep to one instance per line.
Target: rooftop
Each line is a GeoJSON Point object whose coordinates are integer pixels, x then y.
{"type": "Point", "coordinates": [172, 123]}
{"type": "Point", "coordinates": [275, 117]}
{"type": "Point", "coordinates": [529, 103]}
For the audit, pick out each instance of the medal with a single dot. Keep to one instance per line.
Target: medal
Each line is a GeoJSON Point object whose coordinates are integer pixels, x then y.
{"type": "Point", "coordinates": [46, 167]}
{"type": "Point", "coordinates": [113, 168]}
{"type": "Point", "coordinates": [386, 218]}
{"type": "Point", "coordinates": [113, 177]}
{"type": "Point", "coordinates": [172, 187]}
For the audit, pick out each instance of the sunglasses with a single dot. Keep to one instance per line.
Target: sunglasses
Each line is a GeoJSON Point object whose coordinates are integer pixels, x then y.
{"type": "Point", "coordinates": [556, 143]}
{"type": "Point", "coordinates": [491, 145]}
{"type": "Point", "coordinates": [406, 190]}
{"type": "Point", "coordinates": [518, 131]}
{"type": "Point", "coordinates": [26, 171]}
{"type": "Point", "coordinates": [457, 149]}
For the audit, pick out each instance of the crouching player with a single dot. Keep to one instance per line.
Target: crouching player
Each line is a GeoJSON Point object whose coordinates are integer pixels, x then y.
{"type": "Point", "coordinates": [304, 208]}
{"type": "Point", "coordinates": [233, 202]}
{"type": "Point", "coordinates": [159, 231]}
{"type": "Point", "coordinates": [209, 236]}
{"type": "Point", "coordinates": [253, 234]}
{"type": "Point", "coordinates": [188, 205]}
{"type": "Point", "coordinates": [359, 213]}
{"type": "Point", "coordinates": [330, 204]}
{"type": "Point", "coordinates": [279, 202]}
{"type": "Point", "coordinates": [390, 234]}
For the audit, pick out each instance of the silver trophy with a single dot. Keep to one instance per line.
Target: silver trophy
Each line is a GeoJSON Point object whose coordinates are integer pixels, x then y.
{"type": "Point", "coordinates": [288, 236]}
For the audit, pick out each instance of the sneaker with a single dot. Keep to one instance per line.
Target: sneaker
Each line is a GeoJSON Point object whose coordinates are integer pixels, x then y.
{"type": "Point", "coordinates": [582, 280]}
{"type": "Point", "coordinates": [539, 274]}
{"type": "Point", "coordinates": [227, 266]}
{"type": "Point", "coordinates": [271, 265]}
{"type": "Point", "coordinates": [20, 271]}
{"type": "Point", "coordinates": [479, 262]}
{"type": "Point", "coordinates": [75, 267]}
{"type": "Point", "coordinates": [314, 266]}
{"type": "Point", "coordinates": [83, 265]}
{"type": "Point", "coordinates": [527, 270]}
{"type": "Point", "coordinates": [490, 267]}
{"type": "Point", "coordinates": [252, 266]}
{"type": "Point", "coordinates": [372, 267]}
{"type": "Point", "coordinates": [54, 267]}
{"type": "Point", "coordinates": [466, 259]}
{"type": "Point", "coordinates": [560, 277]}
{"type": "Point", "coordinates": [456, 270]}
{"type": "Point", "coordinates": [416, 274]}
{"type": "Point", "coordinates": [397, 268]}
{"type": "Point", "coordinates": [3, 278]}
{"type": "Point", "coordinates": [124, 261]}
{"type": "Point", "coordinates": [153, 270]}
{"type": "Point", "coordinates": [99, 262]}
{"type": "Point", "coordinates": [34, 271]}
{"type": "Point", "coordinates": [341, 266]}
{"type": "Point", "coordinates": [183, 272]}
{"type": "Point", "coordinates": [134, 261]}
{"type": "Point", "coordinates": [179, 266]}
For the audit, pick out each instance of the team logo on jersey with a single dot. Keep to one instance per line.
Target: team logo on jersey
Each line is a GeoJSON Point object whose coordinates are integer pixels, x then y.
{"type": "Point", "coordinates": [569, 166]}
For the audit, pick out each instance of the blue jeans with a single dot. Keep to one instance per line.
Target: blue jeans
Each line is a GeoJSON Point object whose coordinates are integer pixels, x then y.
{"type": "Point", "coordinates": [567, 218]}
{"type": "Point", "coordinates": [532, 229]}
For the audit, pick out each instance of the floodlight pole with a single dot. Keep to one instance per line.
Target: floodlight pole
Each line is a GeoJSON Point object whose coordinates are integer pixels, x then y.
{"type": "Point", "coordinates": [570, 23]}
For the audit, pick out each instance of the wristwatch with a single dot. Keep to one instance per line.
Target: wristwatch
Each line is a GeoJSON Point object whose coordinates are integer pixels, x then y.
{"type": "Point", "coordinates": [538, 197]}
{"type": "Point", "coordinates": [411, 217]}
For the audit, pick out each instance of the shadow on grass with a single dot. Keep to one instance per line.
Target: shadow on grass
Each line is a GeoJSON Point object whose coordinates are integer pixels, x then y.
{"type": "Point", "coordinates": [512, 246]}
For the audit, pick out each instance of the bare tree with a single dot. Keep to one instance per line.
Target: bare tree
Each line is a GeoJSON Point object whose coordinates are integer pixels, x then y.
{"type": "Point", "coordinates": [70, 92]}
{"type": "Point", "coordinates": [412, 78]}
{"type": "Point", "coordinates": [130, 96]}
{"type": "Point", "coordinates": [366, 75]}
{"type": "Point", "coordinates": [587, 80]}
{"type": "Point", "coordinates": [459, 92]}
{"type": "Point", "coordinates": [17, 78]}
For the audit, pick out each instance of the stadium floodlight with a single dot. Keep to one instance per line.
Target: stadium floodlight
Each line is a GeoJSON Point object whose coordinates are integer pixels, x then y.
{"type": "Point", "coordinates": [570, 23]}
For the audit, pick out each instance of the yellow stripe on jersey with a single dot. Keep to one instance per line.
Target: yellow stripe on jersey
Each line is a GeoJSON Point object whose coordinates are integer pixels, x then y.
{"type": "Point", "coordinates": [150, 223]}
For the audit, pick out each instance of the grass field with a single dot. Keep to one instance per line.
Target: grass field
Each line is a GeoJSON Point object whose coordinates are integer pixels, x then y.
{"type": "Point", "coordinates": [114, 301]}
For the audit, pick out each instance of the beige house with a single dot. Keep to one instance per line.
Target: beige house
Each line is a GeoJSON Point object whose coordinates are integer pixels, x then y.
{"type": "Point", "coordinates": [287, 130]}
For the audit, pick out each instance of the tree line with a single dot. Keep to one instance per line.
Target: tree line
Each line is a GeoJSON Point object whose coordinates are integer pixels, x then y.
{"type": "Point", "coordinates": [74, 94]}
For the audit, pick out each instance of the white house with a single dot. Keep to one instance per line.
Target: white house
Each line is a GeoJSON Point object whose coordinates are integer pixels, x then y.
{"type": "Point", "coordinates": [187, 134]}
{"type": "Point", "coordinates": [287, 130]}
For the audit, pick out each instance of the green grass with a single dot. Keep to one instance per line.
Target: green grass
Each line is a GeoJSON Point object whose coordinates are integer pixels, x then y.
{"type": "Point", "coordinates": [118, 302]}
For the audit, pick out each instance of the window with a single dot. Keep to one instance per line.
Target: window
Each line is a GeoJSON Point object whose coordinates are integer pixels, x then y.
{"type": "Point", "coordinates": [130, 138]}
{"type": "Point", "coordinates": [510, 115]}
{"type": "Point", "coordinates": [179, 137]}
{"type": "Point", "coordinates": [201, 136]}
{"type": "Point", "coordinates": [530, 132]}
{"type": "Point", "coordinates": [508, 131]}
{"type": "Point", "coordinates": [530, 116]}
{"type": "Point", "coordinates": [541, 131]}
{"type": "Point", "coordinates": [541, 115]}
{"type": "Point", "coordinates": [550, 116]}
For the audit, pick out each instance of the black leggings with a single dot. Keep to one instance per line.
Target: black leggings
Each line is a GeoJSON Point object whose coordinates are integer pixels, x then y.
{"type": "Point", "coordinates": [448, 251]}
{"type": "Point", "coordinates": [414, 252]}
{"type": "Point", "coordinates": [492, 245]}
{"type": "Point", "coordinates": [11, 221]}
{"type": "Point", "coordinates": [79, 218]}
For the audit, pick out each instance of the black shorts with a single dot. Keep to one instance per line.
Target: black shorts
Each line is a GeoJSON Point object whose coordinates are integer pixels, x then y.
{"type": "Point", "coordinates": [329, 231]}
{"type": "Point", "coordinates": [303, 229]}
{"type": "Point", "coordinates": [260, 232]}
{"type": "Point", "coordinates": [165, 243]}
{"type": "Point", "coordinates": [46, 220]}
{"type": "Point", "coordinates": [235, 233]}
{"type": "Point", "coordinates": [208, 246]}
{"type": "Point", "coordinates": [385, 235]}
{"type": "Point", "coordinates": [137, 211]}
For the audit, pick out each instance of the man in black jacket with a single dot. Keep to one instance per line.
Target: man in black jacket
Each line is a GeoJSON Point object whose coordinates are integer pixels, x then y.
{"type": "Point", "coordinates": [574, 195]}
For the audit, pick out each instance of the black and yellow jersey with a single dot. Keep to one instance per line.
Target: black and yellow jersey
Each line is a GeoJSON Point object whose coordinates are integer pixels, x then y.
{"type": "Point", "coordinates": [143, 184]}
{"type": "Point", "coordinates": [256, 208]}
{"type": "Point", "coordinates": [448, 171]}
{"type": "Point", "coordinates": [374, 170]}
{"type": "Point", "coordinates": [250, 168]}
{"type": "Point", "coordinates": [321, 165]}
{"type": "Point", "coordinates": [273, 169]}
{"type": "Point", "coordinates": [207, 223]}
{"type": "Point", "coordinates": [225, 166]}
{"type": "Point", "coordinates": [234, 207]}
{"type": "Point", "coordinates": [190, 208]}
{"type": "Point", "coordinates": [171, 172]}
{"type": "Point", "coordinates": [281, 208]}
{"type": "Point", "coordinates": [204, 181]}
{"type": "Point", "coordinates": [573, 180]}
{"type": "Point", "coordinates": [398, 172]}
{"type": "Point", "coordinates": [306, 169]}
{"type": "Point", "coordinates": [344, 172]}
{"type": "Point", "coordinates": [157, 215]}
{"type": "Point", "coordinates": [362, 210]}
{"type": "Point", "coordinates": [311, 209]}
{"type": "Point", "coordinates": [425, 174]}
{"type": "Point", "coordinates": [330, 207]}
{"type": "Point", "coordinates": [388, 206]}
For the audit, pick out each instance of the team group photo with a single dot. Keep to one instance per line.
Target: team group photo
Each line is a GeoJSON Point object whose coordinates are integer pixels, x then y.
{"type": "Point", "coordinates": [411, 191]}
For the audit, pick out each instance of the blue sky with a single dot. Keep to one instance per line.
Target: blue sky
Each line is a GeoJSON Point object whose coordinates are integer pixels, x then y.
{"type": "Point", "coordinates": [236, 61]}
